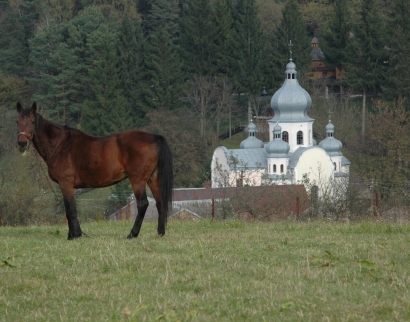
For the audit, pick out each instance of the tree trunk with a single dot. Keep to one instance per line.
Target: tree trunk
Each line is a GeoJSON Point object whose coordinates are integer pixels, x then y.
{"type": "Point", "coordinates": [363, 115]}
{"type": "Point", "coordinates": [230, 122]}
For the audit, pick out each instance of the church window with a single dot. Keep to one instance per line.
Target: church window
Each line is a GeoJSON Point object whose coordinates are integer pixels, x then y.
{"type": "Point", "coordinates": [293, 76]}
{"type": "Point", "coordinates": [281, 168]}
{"type": "Point", "coordinates": [274, 168]}
{"type": "Point", "coordinates": [299, 138]}
{"type": "Point", "coordinates": [285, 136]}
{"type": "Point", "coordinates": [334, 165]}
{"type": "Point", "coordinates": [288, 76]}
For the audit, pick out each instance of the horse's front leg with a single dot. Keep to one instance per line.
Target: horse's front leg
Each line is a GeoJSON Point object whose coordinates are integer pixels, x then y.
{"type": "Point", "coordinates": [74, 229]}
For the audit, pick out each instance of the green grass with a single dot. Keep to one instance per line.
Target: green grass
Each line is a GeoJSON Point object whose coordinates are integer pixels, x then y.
{"type": "Point", "coordinates": [235, 141]}
{"type": "Point", "coordinates": [207, 271]}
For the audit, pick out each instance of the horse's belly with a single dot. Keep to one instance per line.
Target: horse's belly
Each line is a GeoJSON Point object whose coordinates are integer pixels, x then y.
{"type": "Point", "coordinates": [97, 176]}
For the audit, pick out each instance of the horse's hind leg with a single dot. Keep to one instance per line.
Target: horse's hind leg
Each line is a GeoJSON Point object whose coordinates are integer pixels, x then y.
{"type": "Point", "coordinates": [142, 205]}
{"type": "Point", "coordinates": [153, 184]}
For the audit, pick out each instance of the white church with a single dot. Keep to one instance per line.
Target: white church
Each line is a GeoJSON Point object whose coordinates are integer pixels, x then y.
{"type": "Point", "coordinates": [291, 156]}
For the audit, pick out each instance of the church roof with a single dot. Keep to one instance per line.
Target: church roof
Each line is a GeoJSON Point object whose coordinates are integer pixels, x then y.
{"type": "Point", "coordinates": [277, 148]}
{"type": "Point", "coordinates": [291, 102]}
{"type": "Point", "coordinates": [330, 144]}
{"type": "Point", "coordinates": [247, 158]}
{"type": "Point", "coordinates": [251, 142]}
{"type": "Point", "coordinates": [294, 159]}
{"type": "Point", "coordinates": [317, 54]}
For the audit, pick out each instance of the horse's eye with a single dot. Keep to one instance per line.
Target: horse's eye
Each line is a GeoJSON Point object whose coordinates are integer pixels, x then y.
{"type": "Point", "coordinates": [17, 122]}
{"type": "Point", "coordinates": [32, 122]}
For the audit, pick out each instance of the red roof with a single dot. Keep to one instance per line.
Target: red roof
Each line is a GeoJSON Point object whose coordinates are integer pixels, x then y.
{"type": "Point", "coordinates": [261, 202]}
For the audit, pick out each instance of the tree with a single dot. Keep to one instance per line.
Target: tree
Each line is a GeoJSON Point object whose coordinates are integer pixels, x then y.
{"type": "Point", "coordinates": [224, 37]}
{"type": "Point", "coordinates": [13, 43]}
{"type": "Point", "coordinates": [200, 94]}
{"type": "Point", "coordinates": [58, 57]}
{"type": "Point", "coordinates": [292, 28]}
{"type": "Point", "coordinates": [386, 149]}
{"type": "Point", "coordinates": [396, 83]}
{"type": "Point", "coordinates": [364, 71]}
{"type": "Point", "coordinates": [336, 35]}
{"type": "Point", "coordinates": [162, 14]}
{"type": "Point", "coordinates": [190, 153]}
{"type": "Point", "coordinates": [251, 63]}
{"type": "Point", "coordinates": [106, 111]}
{"type": "Point", "coordinates": [197, 38]}
{"type": "Point", "coordinates": [165, 72]}
{"type": "Point", "coordinates": [132, 49]}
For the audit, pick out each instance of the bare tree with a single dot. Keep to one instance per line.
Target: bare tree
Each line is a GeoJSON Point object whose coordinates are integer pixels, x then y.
{"type": "Point", "coordinates": [211, 98]}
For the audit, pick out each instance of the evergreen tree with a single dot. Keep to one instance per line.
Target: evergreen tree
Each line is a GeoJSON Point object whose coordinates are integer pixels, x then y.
{"type": "Point", "coordinates": [162, 14]}
{"type": "Point", "coordinates": [251, 53]}
{"type": "Point", "coordinates": [292, 28]}
{"type": "Point", "coordinates": [106, 111]}
{"type": "Point", "coordinates": [397, 78]}
{"type": "Point", "coordinates": [224, 36]}
{"type": "Point", "coordinates": [336, 37]}
{"type": "Point", "coordinates": [198, 38]}
{"type": "Point", "coordinates": [367, 54]}
{"type": "Point", "coordinates": [58, 58]}
{"type": "Point", "coordinates": [132, 53]}
{"type": "Point", "coordinates": [166, 78]}
{"type": "Point", "coordinates": [13, 44]}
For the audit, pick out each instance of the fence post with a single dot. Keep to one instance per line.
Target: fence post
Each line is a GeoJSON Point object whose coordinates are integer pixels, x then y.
{"type": "Point", "coordinates": [213, 209]}
{"type": "Point", "coordinates": [377, 206]}
{"type": "Point", "coordinates": [128, 210]}
{"type": "Point", "coordinates": [297, 209]}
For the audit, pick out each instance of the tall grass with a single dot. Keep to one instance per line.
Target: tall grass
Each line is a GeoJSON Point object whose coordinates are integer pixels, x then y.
{"type": "Point", "coordinates": [207, 271]}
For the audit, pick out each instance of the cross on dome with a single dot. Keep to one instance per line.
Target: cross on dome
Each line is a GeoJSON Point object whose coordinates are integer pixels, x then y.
{"type": "Point", "coordinates": [290, 49]}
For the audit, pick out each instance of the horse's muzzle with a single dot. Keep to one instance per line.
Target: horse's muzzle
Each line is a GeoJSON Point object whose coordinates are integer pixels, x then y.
{"type": "Point", "coordinates": [23, 145]}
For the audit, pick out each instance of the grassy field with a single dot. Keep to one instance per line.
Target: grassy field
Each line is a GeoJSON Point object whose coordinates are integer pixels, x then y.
{"type": "Point", "coordinates": [207, 271]}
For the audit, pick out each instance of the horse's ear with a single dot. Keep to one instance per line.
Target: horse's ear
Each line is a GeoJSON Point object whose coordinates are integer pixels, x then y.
{"type": "Point", "coordinates": [19, 107]}
{"type": "Point", "coordinates": [33, 107]}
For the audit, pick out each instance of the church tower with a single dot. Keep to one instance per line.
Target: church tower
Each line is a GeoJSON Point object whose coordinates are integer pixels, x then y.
{"type": "Point", "coordinates": [290, 104]}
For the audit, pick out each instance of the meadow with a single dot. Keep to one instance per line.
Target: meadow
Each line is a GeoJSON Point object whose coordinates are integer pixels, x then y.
{"type": "Point", "coordinates": [207, 271]}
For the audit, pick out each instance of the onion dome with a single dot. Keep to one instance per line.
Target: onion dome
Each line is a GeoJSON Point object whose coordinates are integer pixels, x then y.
{"type": "Point", "coordinates": [332, 146]}
{"type": "Point", "coordinates": [291, 102]}
{"type": "Point", "coordinates": [251, 142]}
{"type": "Point", "coordinates": [277, 148]}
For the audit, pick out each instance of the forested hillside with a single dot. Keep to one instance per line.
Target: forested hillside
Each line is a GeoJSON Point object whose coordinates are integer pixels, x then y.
{"type": "Point", "coordinates": [188, 69]}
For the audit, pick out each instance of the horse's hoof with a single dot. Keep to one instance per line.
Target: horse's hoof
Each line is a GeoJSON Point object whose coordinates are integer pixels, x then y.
{"type": "Point", "coordinates": [130, 236]}
{"type": "Point", "coordinates": [73, 236]}
{"type": "Point", "coordinates": [160, 234]}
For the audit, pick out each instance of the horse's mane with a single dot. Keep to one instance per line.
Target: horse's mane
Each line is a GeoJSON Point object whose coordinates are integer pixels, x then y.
{"type": "Point", "coordinates": [40, 124]}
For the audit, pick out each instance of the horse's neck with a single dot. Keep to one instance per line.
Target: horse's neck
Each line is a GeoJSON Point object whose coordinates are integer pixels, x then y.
{"type": "Point", "coordinates": [47, 138]}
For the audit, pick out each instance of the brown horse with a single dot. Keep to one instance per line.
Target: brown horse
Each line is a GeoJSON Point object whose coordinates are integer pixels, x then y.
{"type": "Point", "coordinates": [78, 160]}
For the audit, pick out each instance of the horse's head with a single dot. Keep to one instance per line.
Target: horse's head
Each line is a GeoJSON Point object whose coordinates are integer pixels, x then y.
{"type": "Point", "coordinates": [26, 125]}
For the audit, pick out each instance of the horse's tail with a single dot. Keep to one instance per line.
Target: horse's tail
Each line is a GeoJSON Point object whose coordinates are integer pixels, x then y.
{"type": "Point", "coordinates": [166, 178]}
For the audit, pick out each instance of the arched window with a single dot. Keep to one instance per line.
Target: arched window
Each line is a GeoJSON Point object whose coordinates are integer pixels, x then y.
{"type": "Point", "coordinates": [274, 168]}
{"type": "Point", "coordinates": [293, 76]}
{"type": "Point", "coordinates": [281, 168]}
{"type": "Point", "coordinates": [285, 136]}
{"type": "Point", "coordinates": [299, 138]}
{"type": "Point", "coordinates": [334, 165]}
{"type": "Point", "coordinates": [289, 76]}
